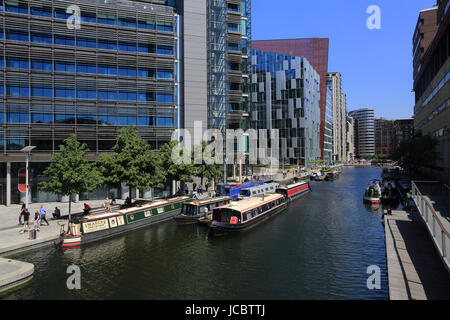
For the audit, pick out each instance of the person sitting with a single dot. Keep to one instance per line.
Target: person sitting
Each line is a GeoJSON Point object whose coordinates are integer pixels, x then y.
{"type": "Point", "coordinates": [56, 214]}
{"type": "Point", "coordinates": [87, 209]}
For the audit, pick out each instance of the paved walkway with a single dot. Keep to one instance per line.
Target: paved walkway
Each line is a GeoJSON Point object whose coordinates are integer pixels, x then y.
{"type": "Point", "coordinates": [14, 273]}
{"type": "Point", "coordinates": [415, 271]}
{"type": "Point", "coordinates": [12, 241]}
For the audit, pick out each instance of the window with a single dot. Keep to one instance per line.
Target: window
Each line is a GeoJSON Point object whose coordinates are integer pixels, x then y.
{"type": "Point", "coordinates": [41, 38]}
{"type": "Point", "coordinates": [127, 71]}
{"type": "Point", "coordinates": [17, 117]}
{"type": "Point", "coordinates": [127, 96]}
{"type": "Point", "coordinates": [64, 67]}
{"type": "Point", "coordinates": [41, 92]}
{"type": "Point", "coordinates": [42, 65]}
{"type": "Point", "coordinates": [16, 35]}
{"type": "Point", "coordinates": [17, 7]}
{"type": "Point", "coordinates": [167, 50]}
{"type": "Point", "coordinates": [127, 46]}
{"type": "Point", "coordinates": [107, 95]}
{"type": "Point", "coordinates": [107, 44]}
{"type": "Point", "coordinates": [107, 70]}
{"type": "Point", "coordinates": [86, 94]}
{"type": "Point", "coordinates": [164, 26]}
{"type": "Point", "coordinates": [147, 73]}
{"type": "Point", "coordinates": [61, 13]}
{"type": "Point", "coordinates": [105, 19]}
{"type": "Point", "coordinates": [165, 74]}
{"type": "Point", "coordinates": [86, 68]}
{"type": "Point", "coordinates": [41, 118]}
{"type": "Point", "coordinates": [41, 11]}
{"type": "Point", "coordinates": [146, 24]}
{"type": "Point", "coordinates": [88, 17]}
{"type": "Point", "coordinates": [17, 63]}
{"type": "Point", "coordinates": [164, 98]}
{"type": "Point", "coordinates": [107, 116]}
{"type": "Point", "coordinates": [17, 90]}
{"type": "Point", "coordinates": [127, 22]}
{"type": "Point", "coordinates": [64, 40]}
{"type": "Point", "coordinates": [65, 93]}
{"type": "Point", "coordinates": [86, 42]}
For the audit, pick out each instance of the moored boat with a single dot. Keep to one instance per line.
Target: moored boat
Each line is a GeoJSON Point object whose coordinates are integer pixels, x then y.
{"type": "Point", "coordinates": [332, 175]}
{"type": "Point", "coordinates": [294, 191]}
{"type": "Point", "coordinates": [193, 211]}
{"type": "Point", "coordinates": [242, 215]}
{"type": "Point", "coordinates": [372, 194]}
{"type": "Point", "coordinates": [265, 188]}
{"type": "Point", "coordinates": [105, 225]}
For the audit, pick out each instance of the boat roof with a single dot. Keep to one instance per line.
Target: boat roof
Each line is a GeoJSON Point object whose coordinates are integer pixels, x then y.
{"type": "Point", "coordinates": [294, 185]}
{"type": "Point", "coordinates": [208, 201]}
{"type": "Point", "coordinates": [251, 202]}
{"type": "Point", "coordinates": [157, 203]}
{"type": "Point", "coordinates": [274, 184]}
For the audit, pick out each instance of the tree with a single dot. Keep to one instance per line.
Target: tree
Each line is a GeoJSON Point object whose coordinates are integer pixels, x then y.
{"type": "Point", "coordinates": [132, 163]}
{"type": "Point", "coordinates": [70, 173]}
{"type": "Point", "coordinates": [208, 168]}
{"type": "Point", "coordinates": [176, 170]}
{"type": "Point", "coordinates": [416, 153]}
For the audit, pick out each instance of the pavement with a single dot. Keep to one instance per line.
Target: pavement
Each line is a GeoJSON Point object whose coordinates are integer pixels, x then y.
{"type": "Point", "coordinates": [14, 273]}
{"type": "Point", "coordinates": [12, 241]}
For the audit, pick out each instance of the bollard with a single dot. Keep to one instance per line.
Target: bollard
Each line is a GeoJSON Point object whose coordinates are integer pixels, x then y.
{"type": "Point", "coordinates": [32, 234]}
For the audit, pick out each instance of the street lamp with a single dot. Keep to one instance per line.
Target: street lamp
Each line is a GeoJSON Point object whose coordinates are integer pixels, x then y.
{"type": "Point", "coordinates": [27, 151]}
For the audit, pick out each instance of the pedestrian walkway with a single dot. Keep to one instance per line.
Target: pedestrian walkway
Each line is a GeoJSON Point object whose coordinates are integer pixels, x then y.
{"type": "Point", "coordinates": [14, 273]}
{"type": "Point", "coordinates": [415, 271]}
{"type": "Point", "coordinates": [12, 241]}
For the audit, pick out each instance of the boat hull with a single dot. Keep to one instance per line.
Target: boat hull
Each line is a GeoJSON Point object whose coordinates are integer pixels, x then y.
{"type": "Point", "coordinates": [69, 242]}
{"type": "Point", "coordinates": [372, 200]}
{"type": "Point", "coordinates": [183, 219]}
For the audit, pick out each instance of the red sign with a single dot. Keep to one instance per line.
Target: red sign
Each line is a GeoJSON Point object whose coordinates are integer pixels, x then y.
{"type": "Point", "coordinates": [23, 180]}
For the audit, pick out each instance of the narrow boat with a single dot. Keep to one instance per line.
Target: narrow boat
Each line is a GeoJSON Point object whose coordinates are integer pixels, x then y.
{"type": "Point", "coordinates": [194, 211]}
{"type": "Point", "coordinates": [242, 215]}
{"type": "Point", "coordinates": [372, 194]}
{"type": "Point", "coordinates": [294, 191]}
{"type": "Point", "coordinates": [320, 178]}
{"type": "Point", "coordinates": [259, 190]}
{"type": "Point", "coordinates": [332, 175]}
{"type": "Point", "coordinates": [105, 225]}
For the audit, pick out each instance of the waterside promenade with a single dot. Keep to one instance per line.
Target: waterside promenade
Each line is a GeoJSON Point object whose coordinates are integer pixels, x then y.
{"type": "Point", "coordinates": [415, 271]}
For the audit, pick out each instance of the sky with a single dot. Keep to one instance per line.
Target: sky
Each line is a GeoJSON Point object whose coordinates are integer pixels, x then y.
{"type": "Point", "coordinates": [376, 65]}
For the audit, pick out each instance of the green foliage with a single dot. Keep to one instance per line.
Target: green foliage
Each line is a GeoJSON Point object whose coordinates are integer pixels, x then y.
{"type": "Point", "coordinates": [207, 169]}
{"type": "Point", "coordinates": [132, 163]}
{"type": "Point", "coordinates": [416, 153]}
{"type": "Point", "coordinates": [175, 171]}
{"type": "Point", "coordinates": [69, 172]}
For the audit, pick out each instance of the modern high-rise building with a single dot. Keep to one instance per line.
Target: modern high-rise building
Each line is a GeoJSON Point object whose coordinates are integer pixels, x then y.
{"type": "Point", "coordinates": [404, 130]}
{"type": "Point", "coordinates": [384, 137]}
{"type": "Point", "coordinates": [350, 140]}
{"type": "Point", "coordinates": [364, 132]}
{"type": "Point", "coordinates": [432, 87]}
{"type": "Point", "coordinates": [339, 100]}
{"type": "Point", "coordinates": [328, 128]}
{"type": "Point", "coordinates": [285, 96]}
{"type": "Point", "coordinates": [315, 50]}
{"type": "Point", "coordinates": [157, 65]}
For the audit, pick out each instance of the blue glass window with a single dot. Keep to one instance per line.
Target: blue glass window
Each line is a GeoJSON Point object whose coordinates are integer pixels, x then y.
{"type": "Point", "coordinates": [127, 22]}
{"type": "Point", "coordinates": [61, 13]}
{"type": "Point", "coordinates": [164, 26]}
{"type": "Point", "coordinates": [165, 74]}
{"type": "Point", "coordinates": [65, 93]}
{"type": "Point", "coordinates": [86, 68]}
{"type": "Point", "coordinates": [41, 38]}
{"type": "Point", "coordinates": [107, 70]}
{"type": "Point", "coordinates": [107, 95]}
{"type": "Point", "coordinates": [88, 17]}
{"type": "Point", "coordinates": [144, 48]}
{"type": "Point", "coordinates": [42, 92]}
{"type": "Point", "coordinates": [165, 50]}
{"type": "Point", "coordinates": [42, 65]}
{"type": "Point", "coordinates": [16, 35]}
{"type": "Point", "coordinates": [164, 98]}
{"type": "Point", "coordinates": [17, 117]}
{"type": "Point", "coordinates": [17, 90]}
{"type": "Point", "coordinates": [146, 73]}
{"type": "Point", "coordinates": [41, 11]}
{"type": "Point", "coordinates": [147, 24]}
{"type": "Point", "coordinates": [17, 63]}
{"type": "Point", "coordinates": [86, 42]}
{"type": "Point", "coordinates": [86, 94]}
{"type": "Point", "coordinates": [64, 66]}
{"type": "Point", "coordinates": [42, 118]}
{"type": "Point", "coordinates": [107, 44]}
{"type": "Point", "coordinates": [127, 96]}
{"type": "Point", "coordinates": [17, 7]}
{"type": "Point", "coordinates": [64, 40]}
{"type": "Point", "coordinates": [105, 19]}
{"type": "Point", "coordinates": [127, 46]}
{"type": "Point", "coordinates": [127, 71]}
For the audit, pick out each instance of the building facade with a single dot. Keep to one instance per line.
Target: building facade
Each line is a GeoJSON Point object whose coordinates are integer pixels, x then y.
{"type": "Point", "coordinates": [339, 101]}
{"type": "Point", "coordinates": [350, 139]}
{"type": "Point", "coordinates": [315, 50]}
{"type": "Point", "coordinates": [384, 137]}
{"type": "Point", "coordinates": [285, 96]}
{"type": "Point", "coordinates": [157, 65]}
{"type": "Point", "coordinates": [432, 92]}
{"type": "Point", "coordinates": [404, 130]}
{"type": "Point", "coordinates": [328, 128]}
{"type": "Point", "coordinates": [364, 132]}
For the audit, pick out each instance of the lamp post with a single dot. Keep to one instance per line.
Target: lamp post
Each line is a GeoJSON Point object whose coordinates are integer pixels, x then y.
{"type": "Point", "coordinates": [27, 151]}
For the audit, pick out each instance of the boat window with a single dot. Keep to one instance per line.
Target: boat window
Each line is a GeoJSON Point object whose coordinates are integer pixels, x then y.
{"type": "Point", "coordinates": [245, 193]}
{"type": "Point", "coordinates": [189, 209]}
{"type": "Point", "coordinates": [254, 192]}
{"type": "Point", "coordinates": [203, 209]}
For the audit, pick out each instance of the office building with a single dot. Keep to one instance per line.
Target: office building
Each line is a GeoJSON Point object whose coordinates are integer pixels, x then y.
{"type": "Point", "coordinates": [364, 132]}
{"type": "Point", "coordinates": [432, 90]}
{"type": "Point", "coordinates": [384, 137]}
{"type": "Point", "coordinates": [404, 130]}
{"type": "Point", "coordinates": [339, 100]}
{"type": "Point", "coordinates": [285, 96]}
{"type": "Point", "coordinates": [315, 50]}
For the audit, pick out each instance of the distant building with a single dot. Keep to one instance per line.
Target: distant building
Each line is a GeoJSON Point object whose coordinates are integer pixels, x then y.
{"type": "Point", "coordinates": [432, 85]}
{"type": "Point", "coordinates": [350, 139]}
{"type": "Point", "coordinates": [364, 132]}
{"type": "Point", "coordinates": [404, 130]}
{"type": "Point", "coordinates": [384, 137]}
{"type": "Point", "coordinates": [285, 96]}
{"type": "Point", "coordinates": [315, 50]}
{"type": "Point", "coordinates": [339, 100]}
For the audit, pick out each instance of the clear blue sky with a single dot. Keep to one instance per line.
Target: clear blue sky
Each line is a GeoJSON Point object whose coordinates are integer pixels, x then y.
{"type": "Point", "coordinates": [376, 65]}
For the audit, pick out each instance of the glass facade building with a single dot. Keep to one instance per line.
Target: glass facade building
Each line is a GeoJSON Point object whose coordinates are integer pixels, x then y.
{"type": "Point", "coordinates": [285, 96]}
{"type": "Point", "coordinates": [364, 132]}
{"type": "Point", "coordinates": [328, 133]}
{"type": "Point", "coordinates": [119, 68]}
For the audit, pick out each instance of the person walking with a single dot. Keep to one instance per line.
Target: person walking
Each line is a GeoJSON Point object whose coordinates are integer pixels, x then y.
{"type": "Point", "coordinates": [186, 189]}
{"type": "Point", "coordinates": [37, 217]}
{"type": "Point", "coordinates": [43, 212]}
{"type": "Point", "coordinates": [206, 185]}
{"type": "Point", "coordinates": [26, 222]}
{"type": "Point", "coordinates": [21, 213]}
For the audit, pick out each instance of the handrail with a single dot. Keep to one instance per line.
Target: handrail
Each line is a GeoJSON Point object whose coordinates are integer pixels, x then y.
{"type": "Point", "coordinates": [424, 206]}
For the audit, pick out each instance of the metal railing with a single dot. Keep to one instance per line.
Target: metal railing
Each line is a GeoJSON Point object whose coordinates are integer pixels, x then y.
{"type": "Point", "coordinates": [433, 221]}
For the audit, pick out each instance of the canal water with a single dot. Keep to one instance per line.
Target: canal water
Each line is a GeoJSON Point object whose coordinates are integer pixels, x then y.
{"type": "Point", "coordinates": [319, 248]}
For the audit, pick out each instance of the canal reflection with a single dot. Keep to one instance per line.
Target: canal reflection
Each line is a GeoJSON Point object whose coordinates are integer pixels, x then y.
{"type": "Point", "coordinates": [318, 248]}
